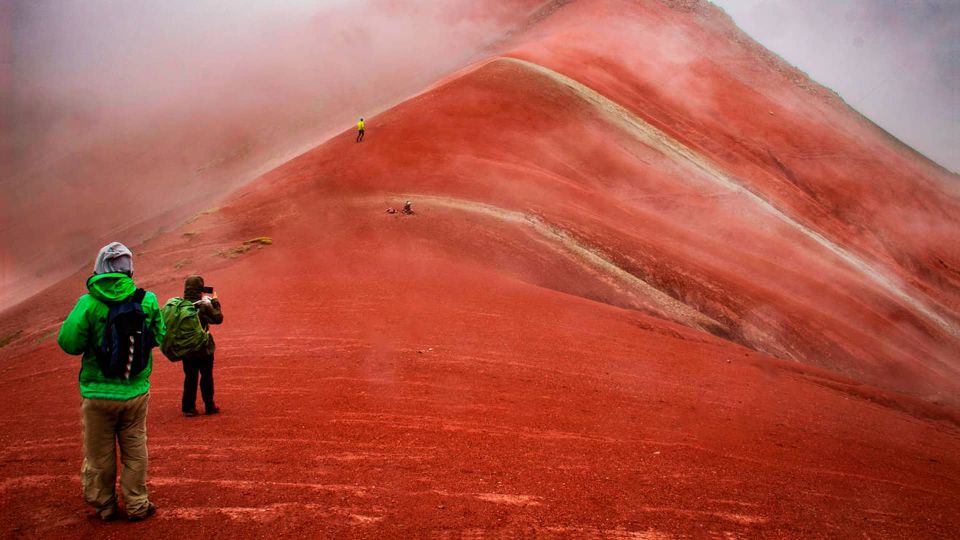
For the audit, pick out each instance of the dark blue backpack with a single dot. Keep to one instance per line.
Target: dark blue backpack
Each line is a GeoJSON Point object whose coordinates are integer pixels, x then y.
{"type": "Point", "coordinates": [127, 340]}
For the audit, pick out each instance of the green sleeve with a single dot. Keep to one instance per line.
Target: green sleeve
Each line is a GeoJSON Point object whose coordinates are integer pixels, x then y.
{"type": "Point", "coordinates": [74, 335]}
{"type": "Point", "coordinates": [154, 317]}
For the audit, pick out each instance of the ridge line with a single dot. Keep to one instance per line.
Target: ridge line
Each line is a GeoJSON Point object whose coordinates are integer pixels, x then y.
{"type": "Point", "coordinates": [680, 153]}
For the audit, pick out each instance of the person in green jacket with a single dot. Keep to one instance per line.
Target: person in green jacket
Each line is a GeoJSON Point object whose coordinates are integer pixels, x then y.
{"type": "Point", "coordinates": [113, 410]}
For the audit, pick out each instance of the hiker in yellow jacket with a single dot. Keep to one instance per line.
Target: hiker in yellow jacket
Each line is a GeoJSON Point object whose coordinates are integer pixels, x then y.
{"type": "Point", "coordinates": [360, 130]}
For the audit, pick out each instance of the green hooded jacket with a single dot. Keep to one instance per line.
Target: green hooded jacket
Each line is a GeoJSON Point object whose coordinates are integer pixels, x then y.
{"type": "Point", "coordinates": [82, 333]}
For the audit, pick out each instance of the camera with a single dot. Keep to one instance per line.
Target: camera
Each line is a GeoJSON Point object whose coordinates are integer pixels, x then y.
{"type": "Point", "coordinates": [208, 290]}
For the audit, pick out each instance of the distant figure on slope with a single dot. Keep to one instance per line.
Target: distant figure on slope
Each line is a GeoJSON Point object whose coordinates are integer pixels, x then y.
{"type": "Point", "coordinates": [198, 364]}
{"type": "Point", "coordinates": [114, 326]}
{"type": "Point", "coordinates": [360, 130]}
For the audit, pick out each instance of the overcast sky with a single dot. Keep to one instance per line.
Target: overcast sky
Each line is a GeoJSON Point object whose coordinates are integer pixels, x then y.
{"type": "Point", "coordinates": [896, 61]}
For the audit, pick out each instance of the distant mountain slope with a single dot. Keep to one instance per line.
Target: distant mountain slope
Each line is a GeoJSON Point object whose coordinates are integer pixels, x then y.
{"type": "Point", "coordinates": [129, 146]}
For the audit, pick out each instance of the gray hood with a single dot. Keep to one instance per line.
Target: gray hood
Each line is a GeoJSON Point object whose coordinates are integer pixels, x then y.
{"type": "Point", "coordinates": [114, 257]}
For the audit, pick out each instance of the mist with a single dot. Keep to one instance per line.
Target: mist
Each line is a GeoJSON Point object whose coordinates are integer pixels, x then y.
{"type": "Point", "coordinates": [121, 118]}
{"type": "Point", "coordinates": [895, 61]}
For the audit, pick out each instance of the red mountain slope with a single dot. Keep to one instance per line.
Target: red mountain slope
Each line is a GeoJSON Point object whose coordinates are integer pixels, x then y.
{"type": "Point", "coordinates": [163, 136]}
{"type": "Point", "coordinates": [610, 316]}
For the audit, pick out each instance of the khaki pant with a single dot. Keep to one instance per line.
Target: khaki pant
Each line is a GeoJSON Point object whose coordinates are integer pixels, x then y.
{"type": "Point", "coordinates": [105, 423]}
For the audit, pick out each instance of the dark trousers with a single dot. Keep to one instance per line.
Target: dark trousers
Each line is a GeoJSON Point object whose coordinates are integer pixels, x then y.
{"type": "Point", "coordinates": [360, 135]}
{"type": "Point", "coordinates": [197, 366]}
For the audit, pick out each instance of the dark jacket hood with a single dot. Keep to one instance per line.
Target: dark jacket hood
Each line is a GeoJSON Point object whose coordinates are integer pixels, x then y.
{"type": "Point", "coordinates": [193, 288]}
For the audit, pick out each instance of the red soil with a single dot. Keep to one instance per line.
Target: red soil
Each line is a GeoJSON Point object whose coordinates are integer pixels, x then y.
{"type": "Point", "coordinates": [137, 168]}
{"type": "Point", "coordinates": [563, 341]}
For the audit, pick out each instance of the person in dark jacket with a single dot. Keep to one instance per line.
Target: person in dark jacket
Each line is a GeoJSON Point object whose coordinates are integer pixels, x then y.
{"type": "Point", "coordinates": [200, 364]}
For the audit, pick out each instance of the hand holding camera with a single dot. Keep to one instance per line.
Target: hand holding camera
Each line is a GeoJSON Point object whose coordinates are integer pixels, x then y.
{"type": "Point", "coordinates": [207, 298]}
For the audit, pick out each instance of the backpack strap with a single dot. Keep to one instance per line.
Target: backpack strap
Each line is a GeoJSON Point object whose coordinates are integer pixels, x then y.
{"type": "Point", "coordinates": [138, 295]}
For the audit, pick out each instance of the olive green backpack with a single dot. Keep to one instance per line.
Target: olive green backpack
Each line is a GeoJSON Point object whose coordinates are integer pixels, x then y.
{"type": "Point", "coordinates": [185, 334]}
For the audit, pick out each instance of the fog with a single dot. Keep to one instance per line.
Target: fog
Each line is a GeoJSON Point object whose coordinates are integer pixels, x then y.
{"type": "Point", "coordinates": [120, 118]}
{"type": "Point", "coordinates": [895, 61]}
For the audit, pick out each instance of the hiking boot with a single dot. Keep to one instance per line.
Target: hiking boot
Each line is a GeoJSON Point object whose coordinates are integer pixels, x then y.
{"type": "Point", "coordinates": [191, 413]}
{"type": "Point", "coordinates": [108, 514]}
{"type": "Point", "coordinates": [212, 409]}
{"type": "Point", "coordinates": [151, 510]}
